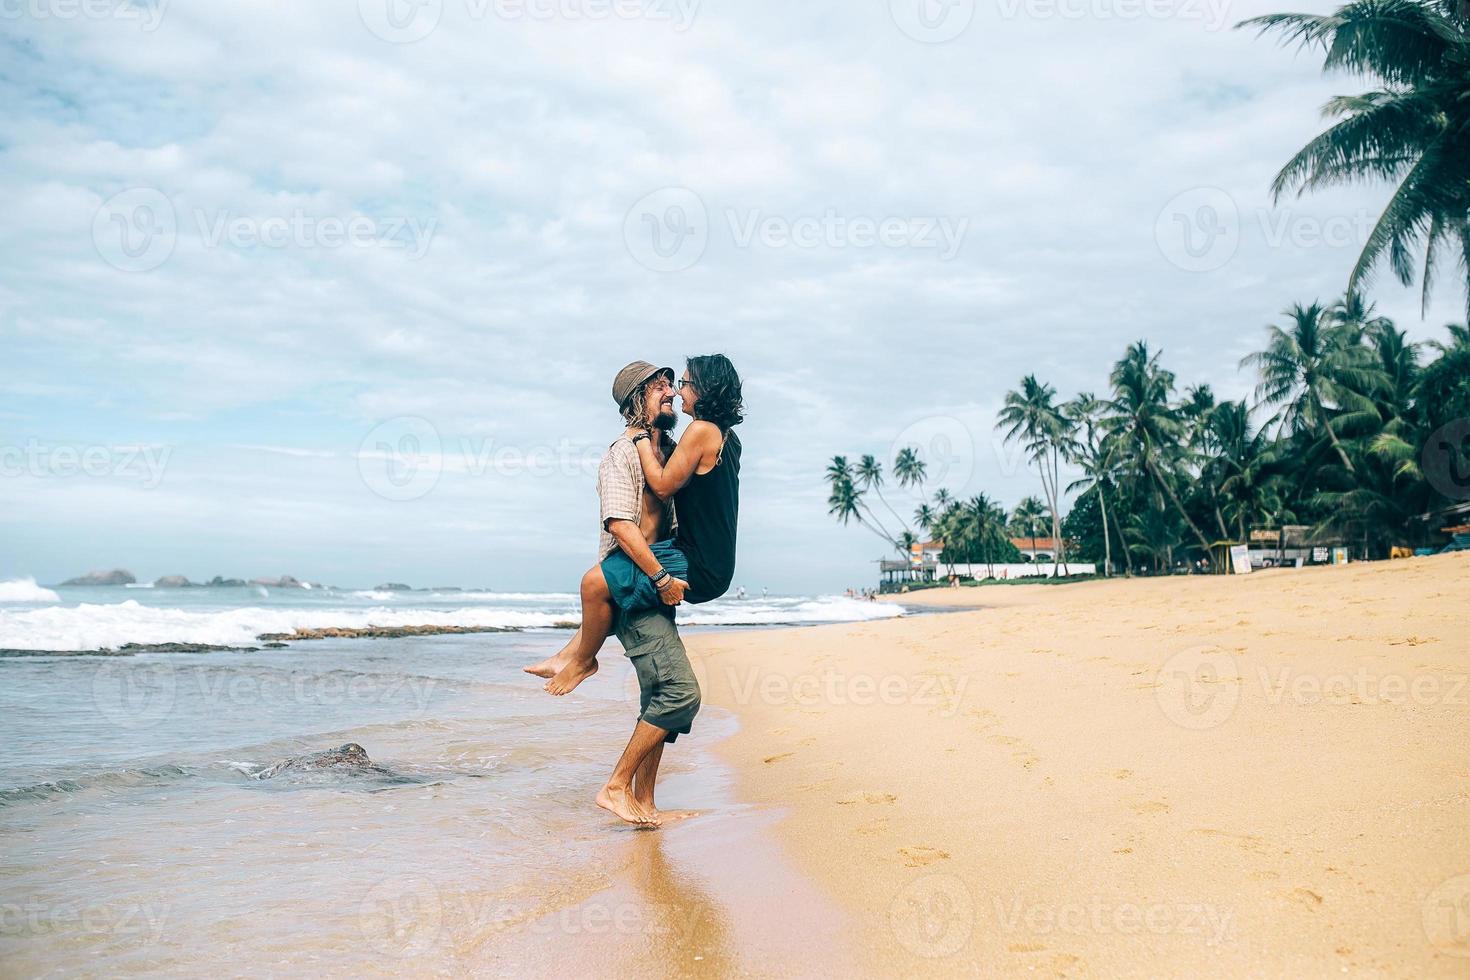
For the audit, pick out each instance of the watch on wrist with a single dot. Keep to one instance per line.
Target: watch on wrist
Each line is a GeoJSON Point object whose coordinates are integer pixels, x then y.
{"type": "Point", "coordinates": [640, 437]}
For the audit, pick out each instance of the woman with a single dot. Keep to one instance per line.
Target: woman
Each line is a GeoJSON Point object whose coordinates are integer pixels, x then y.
{"type": "Point", "coordinates": [703, 477]}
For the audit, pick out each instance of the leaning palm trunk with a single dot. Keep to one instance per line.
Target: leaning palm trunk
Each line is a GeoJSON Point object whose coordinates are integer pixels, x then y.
{"type": "Point", "coordinates": [1178, 504]}
{"type": "Point", "coordinates": [1056, 480]}
{"type": "Point", "coordinates": [1102, 503]}
{"type": "Point", "coordinates": [1327, 424]}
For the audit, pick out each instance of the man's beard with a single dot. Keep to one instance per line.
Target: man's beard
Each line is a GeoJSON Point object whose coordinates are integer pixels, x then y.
{"type": "Point", "coordinates": [665, 421]}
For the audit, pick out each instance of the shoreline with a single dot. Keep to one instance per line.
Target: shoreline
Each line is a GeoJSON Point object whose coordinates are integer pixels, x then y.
{"type": "Point", "coordinates": [1154, 777]}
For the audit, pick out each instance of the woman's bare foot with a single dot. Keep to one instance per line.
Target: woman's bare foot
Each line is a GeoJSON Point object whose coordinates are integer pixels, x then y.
{"type": "Point", "coordinates": [549, 667]}
{"type": "Point", "coordinates": [620, 803]}
{"type": "Point", "coordinates": [570, 676]}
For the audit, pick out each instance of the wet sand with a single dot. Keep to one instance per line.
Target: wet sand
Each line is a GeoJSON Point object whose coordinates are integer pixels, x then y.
{"type": "Point", "coordinates": [1264, 775]}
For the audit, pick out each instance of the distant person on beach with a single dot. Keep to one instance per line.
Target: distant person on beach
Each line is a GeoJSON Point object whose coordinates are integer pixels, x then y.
{"type": "Point", "coordinates": [651, 559]}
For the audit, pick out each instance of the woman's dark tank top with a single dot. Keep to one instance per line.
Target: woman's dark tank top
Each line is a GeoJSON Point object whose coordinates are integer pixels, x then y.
{"type": "Point", "coordinates": [708, 509]}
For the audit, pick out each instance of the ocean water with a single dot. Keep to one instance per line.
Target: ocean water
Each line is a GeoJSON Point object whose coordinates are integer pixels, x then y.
{"type": "Point", "coordinates": [64, 618]}
{"type": "Point", "coordinates": [140, 835]}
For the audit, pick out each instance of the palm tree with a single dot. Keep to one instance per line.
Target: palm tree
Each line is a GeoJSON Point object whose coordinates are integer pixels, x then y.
{"type": "Point", "coordinates": [1094, 454]}
{"type": "Point", "coordinates": [1030, 416]}
{"type": "Point", "coordinates": [1148, 429]}
{"type": "Point", "coordinates": [1315, 372]}
{"type": "Point", "coordinates": [845, 499]}
{"type": "Point", "coordinates": [924, 516]}
{"type": "Point", "coordinates": [1414, 130]}
{"type": "Point", "coordinates": [1028, 512]}
{"type": "Point", "coordinates": [909, 469]}
{"type": "Point", "coordinates": [869, 476]}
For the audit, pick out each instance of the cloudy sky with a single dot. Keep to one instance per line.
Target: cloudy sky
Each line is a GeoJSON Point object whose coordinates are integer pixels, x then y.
{"type": "Point", "coordinates": [338, 289]}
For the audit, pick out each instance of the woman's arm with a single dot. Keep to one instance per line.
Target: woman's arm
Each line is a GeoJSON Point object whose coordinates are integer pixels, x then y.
{"type": "Point", "coordinates": [700, 443]}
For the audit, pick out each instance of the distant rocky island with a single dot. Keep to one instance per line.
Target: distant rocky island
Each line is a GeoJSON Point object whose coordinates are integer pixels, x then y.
{"type": "Point", "coordinates": [393, 587]}
{"type": "Point", "coordinates": [117, 576]}
{"type": "Point", "coordinates": [121, 576]}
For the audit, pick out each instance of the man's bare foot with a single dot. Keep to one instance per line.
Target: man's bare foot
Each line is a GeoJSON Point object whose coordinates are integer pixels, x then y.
{"type": "Point", "coordinates": [570, 676]}
{"type": "Point", "coordinates": [620, 803]}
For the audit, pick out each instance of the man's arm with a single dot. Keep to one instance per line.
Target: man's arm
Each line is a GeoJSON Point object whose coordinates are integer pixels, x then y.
{"type": "Point", "coordinates": [701, 442]}
{"type": "Point", "coordinates": [630, 539]}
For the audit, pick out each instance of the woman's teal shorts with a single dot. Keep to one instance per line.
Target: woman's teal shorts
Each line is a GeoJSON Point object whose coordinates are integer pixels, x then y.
{"type": "Point", "coordinates": [632, 590]}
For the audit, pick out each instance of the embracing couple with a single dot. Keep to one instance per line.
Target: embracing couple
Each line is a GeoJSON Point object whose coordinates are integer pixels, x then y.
{"type": "Point", "coordinates": [669, 512]}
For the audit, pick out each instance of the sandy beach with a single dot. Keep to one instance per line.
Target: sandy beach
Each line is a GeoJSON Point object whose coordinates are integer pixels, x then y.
{"type": "Point", "coordinates": [1264, 775]}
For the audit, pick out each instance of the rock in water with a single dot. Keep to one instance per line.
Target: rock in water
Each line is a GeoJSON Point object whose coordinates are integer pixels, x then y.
{"type": "Point", "coordinates": [219, 582]}
{"type": "Point", "coordinates": [393, 587]}
{"type": "Point", "coordinates": [172, 582]}
{"type": "Point", "coordinates": [349, 757]}
{"type": "Point", "coordinates": [284, 582]}
{"type": "Point", "coordinates": [118, 576]}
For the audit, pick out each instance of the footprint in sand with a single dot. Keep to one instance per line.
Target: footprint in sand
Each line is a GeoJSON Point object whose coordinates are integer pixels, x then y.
{"type": "Point", "coordinates": [778, 758]}
{"type": "Point", "coordinates": [1123, 774]}
{"type": "Point", "coordinates": [918, 857]}
{"type": "Point", "coordinates": [1306, 897]}
{"type": "Point", "coordinates": [1152, 806]}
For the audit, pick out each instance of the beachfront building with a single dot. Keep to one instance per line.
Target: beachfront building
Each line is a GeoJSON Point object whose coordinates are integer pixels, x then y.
{"type": "Point", "coordinates": [1039, 549]}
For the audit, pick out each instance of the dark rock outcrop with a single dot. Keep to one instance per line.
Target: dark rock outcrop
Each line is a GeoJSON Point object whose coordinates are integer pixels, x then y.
{"type": "Point", "coordinates": [172, 582]}
{"type": "Point", "coordinates": [118, 576]}
{"type": "Point", "coordinates": [284, 582]}
{"type": "Point", "coordinates": [393, 587]}
{"type": "Point", "coordinates": [220, 583]}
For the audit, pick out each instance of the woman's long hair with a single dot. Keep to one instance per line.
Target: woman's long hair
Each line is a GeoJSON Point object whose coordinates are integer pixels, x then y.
{"type": "Point", "coordinates": [717, 390]}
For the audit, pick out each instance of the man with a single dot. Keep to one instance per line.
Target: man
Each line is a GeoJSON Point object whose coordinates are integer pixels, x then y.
{"type": "Point", "coordinates": [633, 518]}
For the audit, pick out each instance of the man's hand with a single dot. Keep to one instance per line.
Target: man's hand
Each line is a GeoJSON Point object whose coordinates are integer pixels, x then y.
{"type": "Point", "coordinates": [673, 591]}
